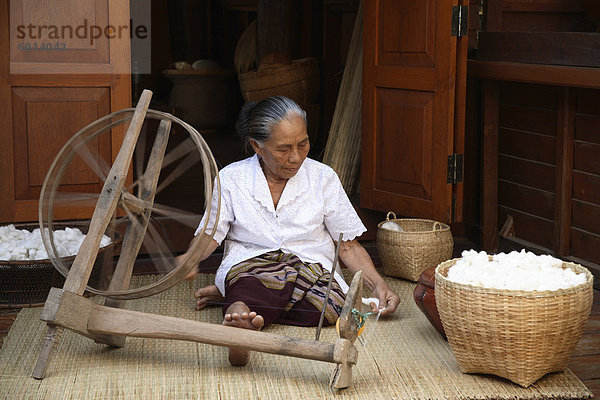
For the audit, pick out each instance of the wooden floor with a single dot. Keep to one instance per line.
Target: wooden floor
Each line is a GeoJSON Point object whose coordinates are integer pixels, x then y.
{"type": "Point", "coordinates": [585, 362]}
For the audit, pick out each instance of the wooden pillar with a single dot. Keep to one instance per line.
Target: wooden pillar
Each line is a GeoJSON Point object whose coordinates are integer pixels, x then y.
{"type": "Point", "coordinates": [564, 172]}
{"type": "Point", "coordinates": [489, 217]}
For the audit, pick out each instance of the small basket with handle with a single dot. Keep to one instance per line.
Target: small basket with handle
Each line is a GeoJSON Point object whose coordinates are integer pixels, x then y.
{"type": "Point", "coordinates": [420, 244]}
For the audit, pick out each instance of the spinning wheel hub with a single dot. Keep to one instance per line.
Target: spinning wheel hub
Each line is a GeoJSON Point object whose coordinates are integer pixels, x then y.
{"type": "Point", "coordinates": [133, 203]}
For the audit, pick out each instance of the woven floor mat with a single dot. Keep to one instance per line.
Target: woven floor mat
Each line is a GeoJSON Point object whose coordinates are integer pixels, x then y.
{"type": "Point", "coordinates": [403, 358]}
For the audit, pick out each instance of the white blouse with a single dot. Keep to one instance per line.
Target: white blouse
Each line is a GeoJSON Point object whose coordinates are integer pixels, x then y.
{"type": "Point", "coordinates": [312, 210]}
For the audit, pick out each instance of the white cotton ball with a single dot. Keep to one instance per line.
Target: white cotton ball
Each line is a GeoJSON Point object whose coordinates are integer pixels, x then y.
{"type": "Point", "coordinates": [20, 244]}
{"type": "Point", "coordinates": [392, 226]}
{"type": "Point", "coordinates": [513, 271]}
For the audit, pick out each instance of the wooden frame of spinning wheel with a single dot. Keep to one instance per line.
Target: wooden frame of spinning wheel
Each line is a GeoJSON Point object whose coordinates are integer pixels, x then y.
{"type": "Point", "coordinates": [110, 324]}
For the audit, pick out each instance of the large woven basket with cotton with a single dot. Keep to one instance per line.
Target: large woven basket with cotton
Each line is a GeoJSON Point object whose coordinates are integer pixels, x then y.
{"type": "Point", "coordinates": [408, 246]}
{"type": "Point", "coordinates": [515, 334]}
{"type": "Point", "coordinates": [26, 283]}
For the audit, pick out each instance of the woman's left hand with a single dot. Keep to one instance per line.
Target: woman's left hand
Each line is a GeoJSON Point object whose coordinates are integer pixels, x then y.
{"type": "Point", "coordinates": [388, 299]}
{"type": "Point", "coordinates": [356, 258]}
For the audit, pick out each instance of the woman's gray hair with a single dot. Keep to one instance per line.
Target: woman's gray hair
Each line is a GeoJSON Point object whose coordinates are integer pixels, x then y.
{"type": "Point", "coordinates": [257, 119]}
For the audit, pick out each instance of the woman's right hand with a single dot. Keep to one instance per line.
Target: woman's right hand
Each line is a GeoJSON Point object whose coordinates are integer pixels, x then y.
{"type": "Point", "coordinates": [212, 246]}
{"type": "Point", "coordinates": [193, 273]}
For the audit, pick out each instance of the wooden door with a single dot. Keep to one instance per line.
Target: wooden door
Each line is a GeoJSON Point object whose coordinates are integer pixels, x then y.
{"type": "Point", "coordinates": [48, 93]}
{"type": "Point", "coordinates": [414, 79]}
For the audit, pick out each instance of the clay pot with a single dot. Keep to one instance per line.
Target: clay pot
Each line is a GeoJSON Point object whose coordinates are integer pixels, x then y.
{"type": "Point", "coordinates": [425, 298]}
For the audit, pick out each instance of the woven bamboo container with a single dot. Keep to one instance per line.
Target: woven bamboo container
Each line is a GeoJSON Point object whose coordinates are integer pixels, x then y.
{"type": "Point", "coordinates": [517, 335]}
{"type": "Point", "coordinates": [27, 283]}
{"type": "Point", "coordinates": [421, 244]}
{"type": "Point", "coordinates": [298, 81]}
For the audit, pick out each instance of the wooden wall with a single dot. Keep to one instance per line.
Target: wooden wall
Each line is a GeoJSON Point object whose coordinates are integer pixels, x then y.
{"type": "Point", "coordinates": [527, 140]}
{"type": "Point", "coordinates": [536, 16]}
{"type": "Point", "coordinates": [533, 119]}
{"type": "Point", "coordinates": [585, 225]}
{"type": "Point", "coordinates": [541, 146]}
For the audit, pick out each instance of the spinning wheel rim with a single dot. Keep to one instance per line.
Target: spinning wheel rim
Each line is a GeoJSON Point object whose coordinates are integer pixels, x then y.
{"type": "Point", "coordinates": [61, 162]}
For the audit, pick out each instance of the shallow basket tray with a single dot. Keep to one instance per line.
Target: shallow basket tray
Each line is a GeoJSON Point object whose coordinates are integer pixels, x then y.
{"type": "Point", "coordinates": [27, 283]}
{"type": "Point", "coordinates": [517, 335]}
{"type": "Point", "coordinates": [422, 244]}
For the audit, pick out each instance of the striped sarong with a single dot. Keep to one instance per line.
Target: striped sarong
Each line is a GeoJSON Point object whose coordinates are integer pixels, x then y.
{"type": "Point", "coordinates": [284, 290]}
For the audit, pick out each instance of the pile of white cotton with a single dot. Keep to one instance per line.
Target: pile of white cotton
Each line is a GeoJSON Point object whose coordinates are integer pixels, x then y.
{"type": "Point", "coordinates": [21, 244]}
{"type": "Point", "coordinates": [514, 271]}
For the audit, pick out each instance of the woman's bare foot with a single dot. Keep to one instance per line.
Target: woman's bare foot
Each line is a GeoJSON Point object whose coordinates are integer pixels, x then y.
{"type": "Point", "coordinates": [239, 315]}
{"type": "Point", "coordinates": [207, 295]}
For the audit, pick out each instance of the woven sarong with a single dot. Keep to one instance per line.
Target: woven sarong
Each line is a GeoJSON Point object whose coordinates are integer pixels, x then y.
{"type": "Point", "coordinates": [284, 290]}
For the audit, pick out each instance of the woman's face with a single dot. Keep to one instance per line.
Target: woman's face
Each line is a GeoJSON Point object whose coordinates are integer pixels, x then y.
{"type": "Point", "coordinates": [286, 149]}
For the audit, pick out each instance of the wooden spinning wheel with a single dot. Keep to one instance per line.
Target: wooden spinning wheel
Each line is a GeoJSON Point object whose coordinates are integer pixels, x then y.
{"type": "Point", "coordinates": [108, 323]}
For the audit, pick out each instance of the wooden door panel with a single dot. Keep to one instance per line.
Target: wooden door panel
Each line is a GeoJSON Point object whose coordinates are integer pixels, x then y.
{"type": "Point", "coordinates": [404, 137]}
{"type": "Point", "coordinates": [46, 96]}
{"type": "Point", "coordinates": [405, 37]}
{"type": "Point", "coordinates": [409, 88]}
{"type": "Point", "coordinates": [48, 118]}
{"type": "Point", "coordinates": [70, 28]}
{"type": "Point", "coordinates": [40, 125]}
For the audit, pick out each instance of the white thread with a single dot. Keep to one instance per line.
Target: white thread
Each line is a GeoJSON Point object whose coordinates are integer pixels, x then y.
{"type": "Point", "coordinates": [368, 301]}
{"type": "Point", "coordinates": [371, 328]}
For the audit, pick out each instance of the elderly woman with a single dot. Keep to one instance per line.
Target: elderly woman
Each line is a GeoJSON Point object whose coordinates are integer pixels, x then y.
{"type": "Point", "coordinates": [280, 213]}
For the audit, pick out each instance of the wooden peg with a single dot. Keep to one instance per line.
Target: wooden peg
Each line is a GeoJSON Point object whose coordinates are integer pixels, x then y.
{"type": "Point", "coordinates": [341, 376]}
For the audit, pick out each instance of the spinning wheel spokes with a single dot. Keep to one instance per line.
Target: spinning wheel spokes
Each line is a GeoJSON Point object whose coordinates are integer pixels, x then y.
{"type": "Point", "coordinates": [57, 203]}
{"type": "Point", "coordinates": [182, 149]}
{"type": "Point", "coordinates": [186, 164]}
{"type": "Point", "coordinates": [97, 164]}
{"type": "Point", "coordinates": [155, 245]}
{"type": "Point", "coordinates": [187, 218]}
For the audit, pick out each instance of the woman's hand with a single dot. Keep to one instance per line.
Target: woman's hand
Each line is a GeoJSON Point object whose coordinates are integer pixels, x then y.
{"type": "Point", "coordinates": [388, 299]}
{"type": "Point", "coordinates": [196, 257]}
{"type": "Point", "coordinates": [356, 258]}
{"type": "Point", "coordinates": [193, 273]}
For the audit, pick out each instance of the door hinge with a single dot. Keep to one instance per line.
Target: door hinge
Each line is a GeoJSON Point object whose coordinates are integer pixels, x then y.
{"type": "Point", "coordinates": [455, 168]}
{"type": "Point", "coordinates": [460, 20]}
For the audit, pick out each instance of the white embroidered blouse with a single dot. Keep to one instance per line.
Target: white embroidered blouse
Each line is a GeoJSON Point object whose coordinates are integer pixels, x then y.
{"type": "Point", "coordinates": [312, 210]}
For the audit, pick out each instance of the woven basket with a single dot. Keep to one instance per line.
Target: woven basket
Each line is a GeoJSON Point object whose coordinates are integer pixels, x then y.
{"type": "Point", "coordinates": [298, 81]}
{"type": "Point", "coordinates": [421, 244]}
{"type": "Point", "coordinates": [517, 335]}
{"type": "Point", "coordinates": [27, 283]}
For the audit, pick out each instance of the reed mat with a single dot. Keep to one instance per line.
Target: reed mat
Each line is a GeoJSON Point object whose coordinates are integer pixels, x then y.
{"type": "Point", "coordinates": [403, 358]}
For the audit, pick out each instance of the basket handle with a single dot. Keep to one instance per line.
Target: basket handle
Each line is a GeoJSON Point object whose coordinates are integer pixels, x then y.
{"type": "Point", "coordinates": [437, 226]}
{"type": "Point", "coordinates": [387, 217]}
